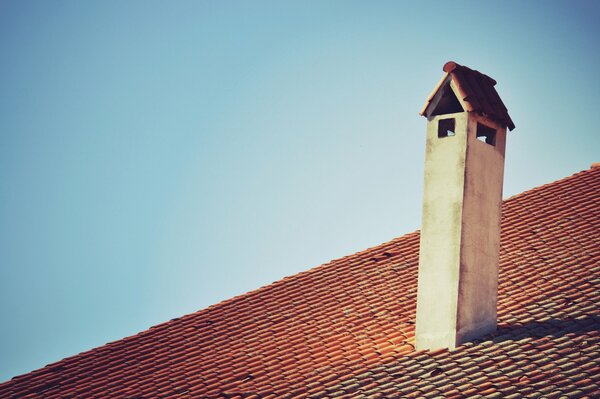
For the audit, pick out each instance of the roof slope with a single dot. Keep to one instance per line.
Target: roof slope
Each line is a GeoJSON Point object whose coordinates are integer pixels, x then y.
{"type": "Point", "coordinates": [346, 328]}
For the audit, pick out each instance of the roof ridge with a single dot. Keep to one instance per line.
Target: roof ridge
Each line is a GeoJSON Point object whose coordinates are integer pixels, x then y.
{"type": "Point", "coordinates": [541, 187]}
{"type": "Point", "coordinates": [301, 273]}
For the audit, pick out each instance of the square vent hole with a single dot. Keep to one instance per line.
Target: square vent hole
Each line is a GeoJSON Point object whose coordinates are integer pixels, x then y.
{"type": "Point", "coordinates": [446, 127]}
{"type": "Point", "coordinates": [486, 134]}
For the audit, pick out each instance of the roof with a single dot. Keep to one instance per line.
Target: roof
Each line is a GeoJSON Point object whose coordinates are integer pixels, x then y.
{"type": "Point", "coordinates": [346, 328]}
{"type": "Point", "coordinates": [477, 92]}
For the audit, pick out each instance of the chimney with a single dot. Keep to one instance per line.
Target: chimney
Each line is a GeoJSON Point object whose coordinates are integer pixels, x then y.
{"type": "Point", "coordinates": [460, 235]}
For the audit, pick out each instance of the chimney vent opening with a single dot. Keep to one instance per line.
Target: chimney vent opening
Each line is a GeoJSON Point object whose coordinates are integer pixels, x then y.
{"type": "Point", "coordinates": [446, 128]}
{"type": "Point", "coordinates": [447, 104]}
{"type": "Point", "coordinates": [486, 134]}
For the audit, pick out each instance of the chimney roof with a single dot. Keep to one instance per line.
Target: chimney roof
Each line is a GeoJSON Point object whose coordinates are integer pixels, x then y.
{"type": "Point", "coordinates": [477, 92]}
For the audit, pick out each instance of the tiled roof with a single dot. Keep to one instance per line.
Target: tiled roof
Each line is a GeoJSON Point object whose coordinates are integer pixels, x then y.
{"type": "Point", "coordinates": [477, 92]}
{"type": "Point", "coordinates": [346, 328]}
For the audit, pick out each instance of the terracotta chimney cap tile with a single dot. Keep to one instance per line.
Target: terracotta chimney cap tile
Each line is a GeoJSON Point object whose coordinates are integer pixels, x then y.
{"type": "Point", "coordinates": [449, 66]}
{"type": "Point", "coordinates": [477, 92]}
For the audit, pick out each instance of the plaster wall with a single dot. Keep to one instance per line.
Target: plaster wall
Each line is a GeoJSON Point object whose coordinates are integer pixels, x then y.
{"type": "Point", "coordinates": [439, 258]}
{"type": "Point", "coordinates": [460, 234]}
{"type": "Point", "coordinates": [480, 240]}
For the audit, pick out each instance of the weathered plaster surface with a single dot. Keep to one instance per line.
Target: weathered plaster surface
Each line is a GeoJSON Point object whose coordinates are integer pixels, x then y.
{"type": "Point", "coordinates": [458, 266]}
{"type": "Point", "coordinates": [439, 257]}
{"type": "Point", "coordinates": [480, 241]}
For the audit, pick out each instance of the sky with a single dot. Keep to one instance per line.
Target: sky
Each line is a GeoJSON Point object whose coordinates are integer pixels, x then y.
{"type": "Point", "coordinates": [159, 157]}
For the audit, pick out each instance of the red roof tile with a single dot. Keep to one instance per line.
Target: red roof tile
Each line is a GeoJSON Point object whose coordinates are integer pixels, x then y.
{"type": "Point", "coordinates": [346, 329]}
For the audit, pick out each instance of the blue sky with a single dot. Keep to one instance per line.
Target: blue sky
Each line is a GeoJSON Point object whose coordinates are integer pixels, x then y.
{"type": "Point", "coordinates": [159, 157]}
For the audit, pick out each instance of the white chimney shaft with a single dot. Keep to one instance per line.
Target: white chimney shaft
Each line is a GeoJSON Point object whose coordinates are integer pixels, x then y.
{"type": "Point", "coordinates": [460, 235]}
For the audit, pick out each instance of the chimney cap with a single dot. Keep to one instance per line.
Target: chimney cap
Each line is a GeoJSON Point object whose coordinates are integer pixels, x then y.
{"type": "Point", "coordinates": [476, 91]}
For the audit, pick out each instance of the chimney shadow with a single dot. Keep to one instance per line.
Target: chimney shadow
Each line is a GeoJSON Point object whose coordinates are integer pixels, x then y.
{"type": "Point", "coordinates": [537, 329]}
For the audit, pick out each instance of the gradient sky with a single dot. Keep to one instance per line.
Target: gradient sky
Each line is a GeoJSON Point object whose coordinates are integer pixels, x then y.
{"type": "Point", "coordinates": [158, 157]}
